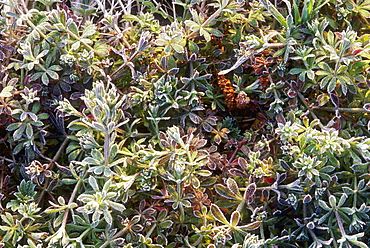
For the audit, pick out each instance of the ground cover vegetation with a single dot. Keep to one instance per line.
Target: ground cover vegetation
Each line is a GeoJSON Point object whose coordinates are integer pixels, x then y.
{"type": "Point", "coordinates": [192, 123]}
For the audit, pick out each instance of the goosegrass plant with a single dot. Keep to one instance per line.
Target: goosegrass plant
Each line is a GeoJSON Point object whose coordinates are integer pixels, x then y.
{"type": "Point", "coordinates": [208, 123]}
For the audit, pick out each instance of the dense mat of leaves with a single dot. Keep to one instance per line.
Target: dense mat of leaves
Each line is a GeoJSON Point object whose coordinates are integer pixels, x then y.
{"type": "Point", "coordinates": [203, 123]}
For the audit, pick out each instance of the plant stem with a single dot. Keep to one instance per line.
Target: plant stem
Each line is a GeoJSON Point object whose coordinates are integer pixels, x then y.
{"type": "Point", "coordinates": [83, 43]}
{"type": "Point", "coordinates": [55, 158]}
{"type": "Point", "coordinates": [348, 110]}
{"type": "Point", "coordinates": [303, 100]}
{"type": "Point", "coordinates": [340, 225]}
{"type": "Point", "coordinates": [71, 199]}
{"type": "Point", "coordinates": [210, 19]}
{"type": "Point", "coordinates": [120, 233]}
{"type": "Point", "coordinates": [7, 159]}
{"type": "Point", "coordinates": [106, 149]}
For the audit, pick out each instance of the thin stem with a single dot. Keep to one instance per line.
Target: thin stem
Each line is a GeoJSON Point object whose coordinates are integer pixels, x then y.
{"type": "Point", "coordinates": [124, 65]}
{"type": "Point", "coordinates": [355, 188]}
{"type": "Point", "coordinates": [106, 149]}
{"type": "Point", "coordinates": [36, 28]}
{"type": "Point", "coordinates": [348, 110]}
{"type": "Point", "coordinates": [71, 199]}
{"type": "Point", "coordinates": [341, 228]}
{"type": "Point", "coordinates": [7, 159]}
{"type": "Point", "coordinates": [120, 233]}
{"type": "Point", "coordinates": [262, 233]}
{"type": "Point", "coordinates": [303, 100]}
{"type": "Point", "coordinates": [55, 158]}
{"type": "Point", "coordinates": [83, 43]}
{"type": "Point", "coordinates": [333, 237]}
{"type": "Point", "coordinates": [179, 193]}
{"type": "Point", "coordinates": [210, 19]}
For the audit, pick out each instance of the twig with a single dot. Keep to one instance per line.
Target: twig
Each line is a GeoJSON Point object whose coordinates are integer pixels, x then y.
{"type": "Point", "coordinates": [348, 110]}
{"type": "Point", "coordinates": [58, 153]}
{"type": "Point", "coordinates": [301, 97]}
{"type": "Point", "coordinates": [7, 159]}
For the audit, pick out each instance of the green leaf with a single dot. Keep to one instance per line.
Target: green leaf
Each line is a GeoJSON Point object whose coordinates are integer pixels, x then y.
{"type": "Point", "coordinates": [6, 92]}
{"type": "Point", "coordinates": [75, 45]}
{"type": "Point", "coordinates": [36, 76]}
{"type": "Point", "coordinates": [52, 74]}
{"type": "Point", "coordinates": [107, 217]}
{"type": "Point", "coordinates": [251, 226]}
{"type": "Point", "coordinates": [348, 211]}
{"type": "Point", "coordinates": [89, 30]}
{"type": "Point", "coordinates": [324, 217]}
{"type": "Point", "coordinates": [296, 71]}
{"type": "Point", "coordinates": [178, 48]}
{"type": "Point", "coordinates": [19, 132]}
{"type": "Point", "coordinates": [97, 155]}
{"type": "Point", "coordinates": [342, 200]}
{"type": "Point", "coordinates": [73, 28]}
{"type": "Point", "coordinates": [274, 12]}
{"type": "Point", "coordinates": [14, 126]}
{"type": "Point", "coordinates": [332, 84]}
{"type": "Point", "coordinates": [227, 203]}
{"type": "Point", "coordinates": [234, 188]}
{"type": "Point", "coordinates": [166, 224]}
{"type": "Point", "coordinates": [56, 68]}
{"type": "Point", "coordinates": [93, 183]}
{"type": "Point", "coordinates": [359, 243]}
{"type": "Point", "coordinates": [45, 79]}
{"type": "Point", "coordinates": [26, 188]}
{"type": "Point", "coordinates": [42, 116]}
{"type": "Point", "coordinates": [117, 206]}
{"type": "Point", "coordinates": [217, 213]}
{"type": "Point", "coordinates": [193, 47]}
{"type": "Point", "coordinates": [205, 34]}
{"type": "Point", "coordinates": [325, 67]}
{"type": "Point", "coordinates": [327, 169]}
{"type": "Point", "coordinates": [29, 131]}
{"type": "Point", "coordinates": [215, 32]}
{"type": "Point", "coordinates": [323, 205]}
{"type": "Point", "coordinates": [332, 201]}
{"type": "Point", "coordinates": [192, 25]}
{"type": "Point", "coordinates": [101, 48]}
{"type": "Point", "coordinates": [203, 173]}
{"type": "Point", "coordinates": [322, 99]}
{"type": "Point", "coordinates": [225, 192]}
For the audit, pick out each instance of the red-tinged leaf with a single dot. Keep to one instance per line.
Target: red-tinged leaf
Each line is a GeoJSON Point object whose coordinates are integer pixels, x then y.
{"type": "Point", "coordinates": [235, 218]}
{"type": "Point", "coordinates": [322, 99]}
{"type": "Point", "coordinates": [225, 192]}
{"type": "Point", "coordinates": [243, 163]}
{"type": "Point", "coordinates": [292, 93]}
{"type": "Point", "coordinates": [237, 173]}
{"type": "Point", "coordinates": [52, 184]}
{"type": "Point", "coordinates": [338, 35]}
{"type": "Point", "coordinates": [367, 106]}
{"type": "Point", "coordinates": [307, 199]}
{"type": "Point", "coordinates": [334, 99]}
{"type": "Point", "coordinates": [357, 51]}
{"type": "Point", "coordinates": [251, 226]}
{"type": "Point", "coordinates": [285, 165]}
{"type": "Point", "coordinates": [250, 190]}
{"type": "Point", "coordinates": [233, 187]}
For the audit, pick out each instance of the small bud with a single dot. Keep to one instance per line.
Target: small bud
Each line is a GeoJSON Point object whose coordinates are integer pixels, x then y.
{"type": "Point", "coordinates": [307, 199]}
